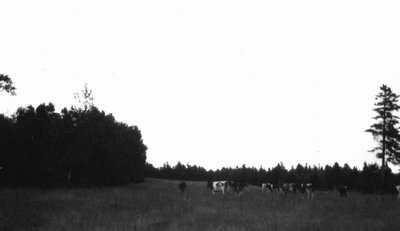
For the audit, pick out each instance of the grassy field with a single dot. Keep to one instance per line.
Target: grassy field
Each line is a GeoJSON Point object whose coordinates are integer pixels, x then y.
{"type": "Point", "coordinates": [158, 205]}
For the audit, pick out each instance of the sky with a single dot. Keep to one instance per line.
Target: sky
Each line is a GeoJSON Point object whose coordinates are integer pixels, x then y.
{"type": "Point", "coordinates": [213, 83]}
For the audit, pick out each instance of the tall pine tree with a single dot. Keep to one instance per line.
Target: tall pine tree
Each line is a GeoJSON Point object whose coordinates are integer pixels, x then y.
{"type": "Point", "coordinates": [384, 130]}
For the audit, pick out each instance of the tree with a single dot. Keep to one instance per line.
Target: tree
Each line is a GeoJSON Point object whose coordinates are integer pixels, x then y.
{"type": "Point", "coordinates": [86, 99]}
{"type": "Point", "coordinates": [384, 130]}
{"type": "Point", "coordinates": [6, 84]}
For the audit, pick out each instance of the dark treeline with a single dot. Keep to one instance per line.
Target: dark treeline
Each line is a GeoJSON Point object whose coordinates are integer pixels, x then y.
{"type": "Point", "coordinates": [77, 147]}
{"type": "Point", "coordinates": [323, 178]}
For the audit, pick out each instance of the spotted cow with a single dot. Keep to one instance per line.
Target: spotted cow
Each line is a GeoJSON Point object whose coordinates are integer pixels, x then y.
{"type": "Point", "coordinates": [308, 188]}
{"type": "Point", "coordinates": [267, 186]}
{"type": "Point", "coordinates": [217, 186]}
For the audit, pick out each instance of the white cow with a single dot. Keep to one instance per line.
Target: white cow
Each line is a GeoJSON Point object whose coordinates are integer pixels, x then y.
{"type": "Point", "coordinates": [398, 191]}
{"type": "Point", "coordinates": [217, 186]}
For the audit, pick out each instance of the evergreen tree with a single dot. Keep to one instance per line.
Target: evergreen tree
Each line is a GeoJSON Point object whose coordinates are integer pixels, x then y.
{"type": "Point", "coordinates": [85, 98]}
{"type": "Point", "coordinates": [384, 130]}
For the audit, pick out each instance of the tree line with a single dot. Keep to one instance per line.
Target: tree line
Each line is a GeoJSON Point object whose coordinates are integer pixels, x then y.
{"type": "Point", "coordinates": [77, 147]}
{"type": "Point", "coordinates": [365, 180]}
{"type": "Point", "coordinates": [85, 146]}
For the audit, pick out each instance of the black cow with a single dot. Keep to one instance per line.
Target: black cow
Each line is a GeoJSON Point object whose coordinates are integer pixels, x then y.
{"type": "Point", "coordinates": [182, 186]}
{"type": "Point", "coordinates": [289, 188]}
{"type": "Point", "coordinates": [343, 190]}
{"type": "Point", "coordinates": [239, 186]}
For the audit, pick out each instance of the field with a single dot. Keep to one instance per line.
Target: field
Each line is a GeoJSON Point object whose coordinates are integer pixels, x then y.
{"type": "Point", "coordinates": [158, 205]}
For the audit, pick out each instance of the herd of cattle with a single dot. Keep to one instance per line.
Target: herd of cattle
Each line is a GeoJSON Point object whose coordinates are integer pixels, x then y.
{"type": "Point", "coordinates": [284, 188]}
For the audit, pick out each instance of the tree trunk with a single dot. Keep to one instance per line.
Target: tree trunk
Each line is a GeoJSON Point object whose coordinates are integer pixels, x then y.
{"type": "Point", "coordinates": [383, 155]}
{"type": "Point", "coordinates": [69, 177]}
{"type": "Point", "coordinates": [383, 169]}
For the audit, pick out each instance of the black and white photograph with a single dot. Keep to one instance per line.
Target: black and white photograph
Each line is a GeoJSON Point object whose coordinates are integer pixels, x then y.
{"type": "Point", "coordinates": [199, 115]}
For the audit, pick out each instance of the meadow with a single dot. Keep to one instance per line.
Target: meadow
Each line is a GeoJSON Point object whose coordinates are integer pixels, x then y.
{"type": "Point", "coordinates": [158, 205]}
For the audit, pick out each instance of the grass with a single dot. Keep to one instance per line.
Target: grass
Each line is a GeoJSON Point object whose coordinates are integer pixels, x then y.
{"type": "Point", "coordinates": [158, 205]}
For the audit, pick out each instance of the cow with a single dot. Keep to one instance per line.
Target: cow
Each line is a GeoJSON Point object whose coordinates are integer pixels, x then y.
{"type": "Point", "coordinates": [288, 187]}
{"type": "Point", "coordinates": [308, 188]}
{"type": "Point", "coordinates": [343, 190]}
{"type": "Point", "coordinates": [230, 185]}
{"type": "Point", "coordinates": [182, 186]}
{"type": "Point", "coordinates": [216, 186]}
{"type": "Point", "coordinates": [398, 191]}
{"type": "Point", "coordinates": [239, 186]}
{"type": "Point", "coordinates": [267, 186]}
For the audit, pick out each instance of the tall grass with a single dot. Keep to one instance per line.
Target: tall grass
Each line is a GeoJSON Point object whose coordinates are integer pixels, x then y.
{"type": "Point", "coordinates": [158, 205]}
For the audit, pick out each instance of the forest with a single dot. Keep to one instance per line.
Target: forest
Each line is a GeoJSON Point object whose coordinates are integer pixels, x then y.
{"type": "Point", "coordinates": [365, 180]}
{"type": "Point", "coordinates": [77, 147]}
